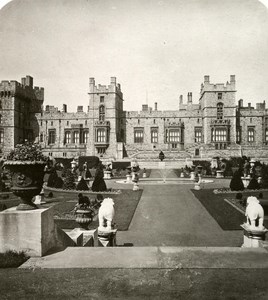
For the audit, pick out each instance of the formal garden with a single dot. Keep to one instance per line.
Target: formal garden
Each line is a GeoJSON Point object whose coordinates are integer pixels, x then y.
{"type": "Point", "coordinates": [76, 187]}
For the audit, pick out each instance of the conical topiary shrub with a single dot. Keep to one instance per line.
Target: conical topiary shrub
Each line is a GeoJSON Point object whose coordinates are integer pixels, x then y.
{"type": "Point", "coordinates": [82, 185]}
{"type": "Point", "coordinates": [236, 183]}
{"type": "Point", "coordinates": [253, 184]}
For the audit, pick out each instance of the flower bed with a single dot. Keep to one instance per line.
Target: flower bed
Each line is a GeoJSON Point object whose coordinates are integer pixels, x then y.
{"type": "Point", "coordinates": [228, 191]}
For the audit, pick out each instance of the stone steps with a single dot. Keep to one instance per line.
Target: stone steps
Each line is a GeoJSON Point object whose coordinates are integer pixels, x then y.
{"type": "Point", "coordinates": [154, 258]}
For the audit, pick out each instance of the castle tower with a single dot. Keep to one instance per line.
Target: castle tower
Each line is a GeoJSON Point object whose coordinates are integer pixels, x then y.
{"type": "Point", "coordinates": [218, 104]}
{"type": "Point", "coordinates": [18, 104]}
{"type": "Point", "coordinates": [106, 112]}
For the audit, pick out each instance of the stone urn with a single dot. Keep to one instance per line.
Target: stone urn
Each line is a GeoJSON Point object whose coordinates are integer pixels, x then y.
{"type": "Point", "coordinates": [27, 181]}
{"type": "Point", "coordinates": [83, 217]}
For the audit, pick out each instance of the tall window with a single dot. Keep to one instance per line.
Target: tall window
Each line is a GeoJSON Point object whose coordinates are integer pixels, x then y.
{"type": "Point", "coordinates": [250, 135]}
{"type": "Point", "coordinates": [238, 135]}
{"type": "Point", "coordinates": [154, 135]}
{"type": "Point", "coordinates": [174, 136]}
{"type": "Point", "coordinates": [266, 135]}
{"type": "Point", "coordinates": [85, 137]}
{"type": "Point", "coordinates": [0, 119]}
{"type": "Point", "coordinates": [67, 137]}
{"type": "Point", "coordinates": [198, 136]}
{"type": "Point", "coordinates": [1, 136]}
{"type": "Point", "coordinates": [101, 135]}
{"type": "Point", "coordinates": [101, 98]}
{"type": "Point", "coordinates": [219, 96]}
{"type": "Point", "coordinates": [138, 135]}
{"type": "Point", "coordinates": [220, 135]}
{"type": "Point", "coordinates": [41, 138]}
{"type": "Point", "coordinates": [220, 111]}
{"type": "Point", "coordinates": [102, 113]}
{"type": "Point", "coordinates": [51, 136]}
{"type": "Point", "coordinates": [76, 137]}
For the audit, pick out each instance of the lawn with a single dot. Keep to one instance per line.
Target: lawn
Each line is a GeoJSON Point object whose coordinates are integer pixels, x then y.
{"type": "Point", "coordinates": [125, 206]}
{"type": "Point", "coordinates": [227, 216]}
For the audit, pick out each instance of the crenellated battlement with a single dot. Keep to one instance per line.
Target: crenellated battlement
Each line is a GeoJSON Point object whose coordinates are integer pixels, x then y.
{"type": "Point", "coordinates": [25, 89]}
{"type": "Point", "coordinates": [218, 87]}
{"type": "Point", "coordinates": [113, 87]}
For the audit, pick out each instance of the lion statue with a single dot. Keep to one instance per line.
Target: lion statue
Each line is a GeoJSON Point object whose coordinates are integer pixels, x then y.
{"type": "Point", "coordinates": [254, 213]}
{"type": "Point", "coordinates": [106, 214]}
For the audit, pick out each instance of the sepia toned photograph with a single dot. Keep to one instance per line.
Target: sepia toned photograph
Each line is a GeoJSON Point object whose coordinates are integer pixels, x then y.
{"type": "Point", "coordinates": [134, 149]}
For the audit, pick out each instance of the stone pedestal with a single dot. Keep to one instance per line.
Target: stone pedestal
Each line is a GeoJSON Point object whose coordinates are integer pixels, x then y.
{"type": "Point", "coordinates": [107, 175]}
{"type": "Point", "coordinates": [253, 237]}
{"type": "Point", "coordinates": [192, 175]}
{"type": "Point", "coordinates": [33, 231]}
{"type": "Point", "coordinates": [107, 238]}
{"type": "Point", "coordinates": [246, 181]}
{"type": "Point", "coordinates": [219, 174]}
{"type": "Point", "coordinates": [84, 238]}
{"type": "Point", "coordinates": [129, 178]}
{"type": "Point", "coordinates": [135, 186]}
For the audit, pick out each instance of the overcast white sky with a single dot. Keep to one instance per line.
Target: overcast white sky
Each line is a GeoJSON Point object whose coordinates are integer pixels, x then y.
{"type": "Point", "coordinates": [164, 47]}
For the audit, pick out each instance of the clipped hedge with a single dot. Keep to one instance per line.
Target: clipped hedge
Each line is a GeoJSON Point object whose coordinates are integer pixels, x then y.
{"type": "Point", "coordinates": [121, 165]}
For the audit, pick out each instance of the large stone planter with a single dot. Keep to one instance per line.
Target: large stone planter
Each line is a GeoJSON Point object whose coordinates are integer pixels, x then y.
{"type": "Point", "coordinates": [27, 181]}
{"type": "Point", "coordinates": [83, 217]}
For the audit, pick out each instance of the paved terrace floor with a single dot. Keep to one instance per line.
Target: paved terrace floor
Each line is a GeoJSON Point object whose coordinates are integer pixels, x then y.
{"type": "Point", "coordinates": [170, 215]}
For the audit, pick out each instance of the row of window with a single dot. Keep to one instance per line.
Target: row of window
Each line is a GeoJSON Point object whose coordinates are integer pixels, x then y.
{"type": "Point", "coordinates": [74, 137]}
{"type": "Point", "coordinates": [172, 136]}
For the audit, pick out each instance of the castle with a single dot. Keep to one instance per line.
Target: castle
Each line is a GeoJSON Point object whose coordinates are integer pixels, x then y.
{"type": "Point", "coordinates": [215, 126]}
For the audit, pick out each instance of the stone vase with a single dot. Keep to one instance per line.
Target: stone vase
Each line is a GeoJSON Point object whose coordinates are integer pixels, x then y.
{"type": "Point", "coordinates": [27, 181]}
{"type": "Point", "coordinates": [83, 217]}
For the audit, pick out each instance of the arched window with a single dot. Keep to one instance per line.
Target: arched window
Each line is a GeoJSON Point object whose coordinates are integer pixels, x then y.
{"type": "Point", "coordinates": [220, 111]}
{"type": "Point", "coordinates": [101, 135]}
{"type": "Point", "coordinates": [102, 113]}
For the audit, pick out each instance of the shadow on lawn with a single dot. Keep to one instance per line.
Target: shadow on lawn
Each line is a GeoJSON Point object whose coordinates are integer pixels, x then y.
{"type": "Point", "coordinates": [224, 214]}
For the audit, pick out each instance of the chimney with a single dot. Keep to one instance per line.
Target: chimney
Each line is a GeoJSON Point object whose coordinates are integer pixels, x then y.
{"type": "Point", "coordinates": [232, 79]}
{"type": "Point", "coordinates": [113, 80]}
{"type": "Point", "coordinates": [240, 103]}
{"type": "Point", "coordinates": [92, 80]}
{"type": "Point", "coordinates": [189, 98]}
{"type": "Point", "coordinates": [79, 108]}
{"type": "Point", "coordinates": [181, 99]}
{"type": "Point", "coordinates": [23, 81]}
{"type": "Point", "coordinates": [249, 105]}
{"type": "Point", "coordinates": [64, 108]}
{"type": "Point", "coordinates": [206, 79]}
{"type": "Point", "coordinates": [155, 106]}
{"type": "Point", "coordinates": [144, 107]}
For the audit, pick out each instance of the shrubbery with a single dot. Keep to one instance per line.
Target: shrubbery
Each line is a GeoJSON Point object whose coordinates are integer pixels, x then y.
{"type": "Point", "coordinates": [69, 181]}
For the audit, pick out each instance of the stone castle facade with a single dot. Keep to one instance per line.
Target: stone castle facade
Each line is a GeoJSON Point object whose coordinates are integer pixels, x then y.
{"type": "Point", "coordinates": [215, 126]}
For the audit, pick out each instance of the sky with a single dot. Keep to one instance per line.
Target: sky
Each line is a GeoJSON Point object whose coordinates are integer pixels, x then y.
{"type": "Point", "coordinates": [157, 49]}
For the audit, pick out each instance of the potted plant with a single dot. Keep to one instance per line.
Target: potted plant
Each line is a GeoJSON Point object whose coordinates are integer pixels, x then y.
{"type": "Point", "coordinates": [26, 165]}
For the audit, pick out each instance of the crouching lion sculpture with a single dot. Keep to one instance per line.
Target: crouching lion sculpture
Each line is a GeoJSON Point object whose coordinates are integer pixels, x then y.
{"type": "Point", "coordinates": [254, 213]}
{"type": "Point", "coordinates": [106, 214]}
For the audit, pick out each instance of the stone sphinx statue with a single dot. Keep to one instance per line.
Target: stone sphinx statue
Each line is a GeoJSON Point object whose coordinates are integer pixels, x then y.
{"type": "Point", "coordinates": [106, 214]}
{"type": "Point", "coordinates": [254, 213]}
